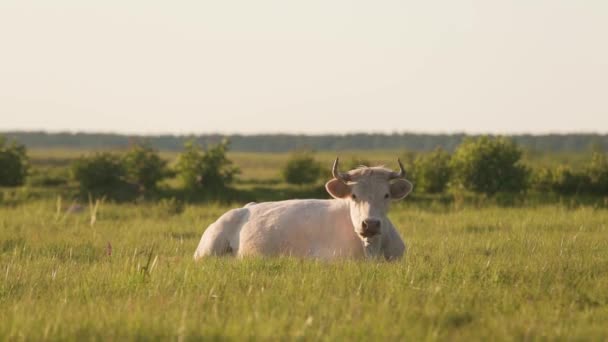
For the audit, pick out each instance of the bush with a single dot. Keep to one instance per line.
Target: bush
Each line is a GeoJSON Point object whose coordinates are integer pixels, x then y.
{"type": "Point", "coordinates": [432, 171]}
{"type": "Point", "coordinates": [542, 180]}
{"type": "Point", "coordinates": [302, 168]}
{"type": "Point", "coordinates": [489, 165]}
{"type": "Point", "coordinates": [13, 163]}
{"type": "Point", "coordinates": [597, 171]}
{"type": "Point", "coordinates": [102, 174]}
{"type": "Point", "coordinates": [569, 182]}
{"type": "Point", "coordinates": [49, 176]}
{"type": "Point", "coordinates": [144, 167]}
{"type": "Point", "coordinates": [209, 169]}
{"type": "Point", "coordinates": [592, 179]}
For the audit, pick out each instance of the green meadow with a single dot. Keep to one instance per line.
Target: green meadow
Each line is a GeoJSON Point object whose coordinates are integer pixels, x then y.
{"type": "Point", "coordinates": [474, 270]}
{"type": "Point", "coordinates": [471, 273]}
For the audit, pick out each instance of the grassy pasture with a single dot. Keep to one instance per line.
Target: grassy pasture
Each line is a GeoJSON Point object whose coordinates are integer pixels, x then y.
{"type": "Point", "coordinates": [481, 273]}
{"type": "Point", "coordinates": [474, 270]}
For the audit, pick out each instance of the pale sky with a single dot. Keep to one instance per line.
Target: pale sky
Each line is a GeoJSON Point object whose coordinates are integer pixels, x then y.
{"type": "Point", "coordinates": [521, 66]}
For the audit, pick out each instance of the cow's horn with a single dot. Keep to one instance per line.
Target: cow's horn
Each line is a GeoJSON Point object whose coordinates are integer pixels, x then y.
{"type": "Point", "coordinates": [401, 173]}
{"type": "Point", "coordinates": [337, 174]}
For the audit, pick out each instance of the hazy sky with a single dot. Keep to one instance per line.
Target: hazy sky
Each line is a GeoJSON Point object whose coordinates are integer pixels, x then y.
{"type": "Point", "coordinates": [304, 66]}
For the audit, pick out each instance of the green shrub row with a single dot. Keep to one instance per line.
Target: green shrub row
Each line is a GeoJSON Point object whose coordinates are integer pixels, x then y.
{"type": "Point", "coordinates": [140, 170]}
{"type": "Point", "coordinates": [592, 178]}
{"type": "Point", "coordinates": [493, 165]}
{"type": "Point", "coordinates": [485, 165]}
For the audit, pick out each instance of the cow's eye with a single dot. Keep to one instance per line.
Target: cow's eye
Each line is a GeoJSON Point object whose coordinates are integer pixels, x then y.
{"type": "Point", "coordinates": [386, 196]}
{"type": "Point", "coordinates": [353, 196]}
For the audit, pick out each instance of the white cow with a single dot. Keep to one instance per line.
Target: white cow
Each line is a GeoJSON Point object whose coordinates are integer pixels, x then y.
{"type": "Point", "coordinates": [353, 224]}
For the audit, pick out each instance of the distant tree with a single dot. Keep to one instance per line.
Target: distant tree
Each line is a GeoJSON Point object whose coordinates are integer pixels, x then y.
{"type": "Point", "coordinates": [489, 165]}
{"type": "Point", "coordinates": [13, 163]}
{"type": "Point", "coordinates": [209, 169]}
{"type": "Point", "coordinates": [432, 171]}
{"type": "Point", "coordinates": [144, 167]}
{"type": "Point", "coordinates": [102, 174]}
{"type": "Point", "coordinates": [302, 168]}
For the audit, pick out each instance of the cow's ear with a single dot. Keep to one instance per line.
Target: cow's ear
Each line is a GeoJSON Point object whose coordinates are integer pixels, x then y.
{"type": "Point", "coordinates": [337, 188]}
{"type": "Point", "coordinates": [400, 188]}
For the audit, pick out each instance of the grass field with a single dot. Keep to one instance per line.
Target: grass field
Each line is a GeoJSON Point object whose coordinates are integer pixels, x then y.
{"type": "Point", "coordinates": [481, 273]}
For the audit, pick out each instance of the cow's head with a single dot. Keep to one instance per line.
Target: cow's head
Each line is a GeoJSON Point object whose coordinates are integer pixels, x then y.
{"type": "Point", "coordinates": [369, 191]}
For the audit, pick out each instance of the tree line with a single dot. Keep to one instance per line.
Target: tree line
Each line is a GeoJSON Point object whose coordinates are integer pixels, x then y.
{"type": "Point", "coordinates": [289, 142]}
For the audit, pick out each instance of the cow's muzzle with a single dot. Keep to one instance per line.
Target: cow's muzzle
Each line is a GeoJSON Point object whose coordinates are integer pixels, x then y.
{"type": "Point", "coordinates": [370, 227]}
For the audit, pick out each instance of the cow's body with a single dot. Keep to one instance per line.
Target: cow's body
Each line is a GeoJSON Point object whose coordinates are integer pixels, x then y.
{"type": "Point", "coordinates": [354, 224]}
{"type": "Point", "coordinates": [302, 228]}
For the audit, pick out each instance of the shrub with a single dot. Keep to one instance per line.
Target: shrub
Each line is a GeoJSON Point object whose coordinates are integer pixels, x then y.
{"type": "Point", "coordinates": [301, 168]}
{"type": "Point", "coordinates": [13, 163]}
{"type": "Point", "coordinates": [209, 169]}
{"type": "Point", "coordinates": [102, 174]}
{"type": "Point", "coordinates": [542, 180]}
{"type": "Point", "coordinates": [432, 171]}
{"type": "Point", "coordinates": [592, 179]}
{"type": "Point", "coordinates": [489, 165]}
{"type": "Point", "coordinates": [49, 176]}
{"type": "Point", "coordinates": [144, 167]}
{"type": "Point", "coordinates": [569, 182]}
{"type": "Point", "coordinates": [597, 171]}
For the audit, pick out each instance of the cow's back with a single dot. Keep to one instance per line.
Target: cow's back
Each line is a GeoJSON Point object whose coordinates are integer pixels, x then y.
{"type": "Point", "coordinates": [317, 228]}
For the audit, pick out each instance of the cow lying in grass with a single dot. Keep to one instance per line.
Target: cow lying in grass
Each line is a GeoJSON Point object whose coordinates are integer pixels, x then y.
{"type": "Point", "coordinates": [353, 224]}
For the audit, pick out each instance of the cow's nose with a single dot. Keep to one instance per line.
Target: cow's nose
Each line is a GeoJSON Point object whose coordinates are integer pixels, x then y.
{"type": "Point", "coordinates": [370, 227]}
